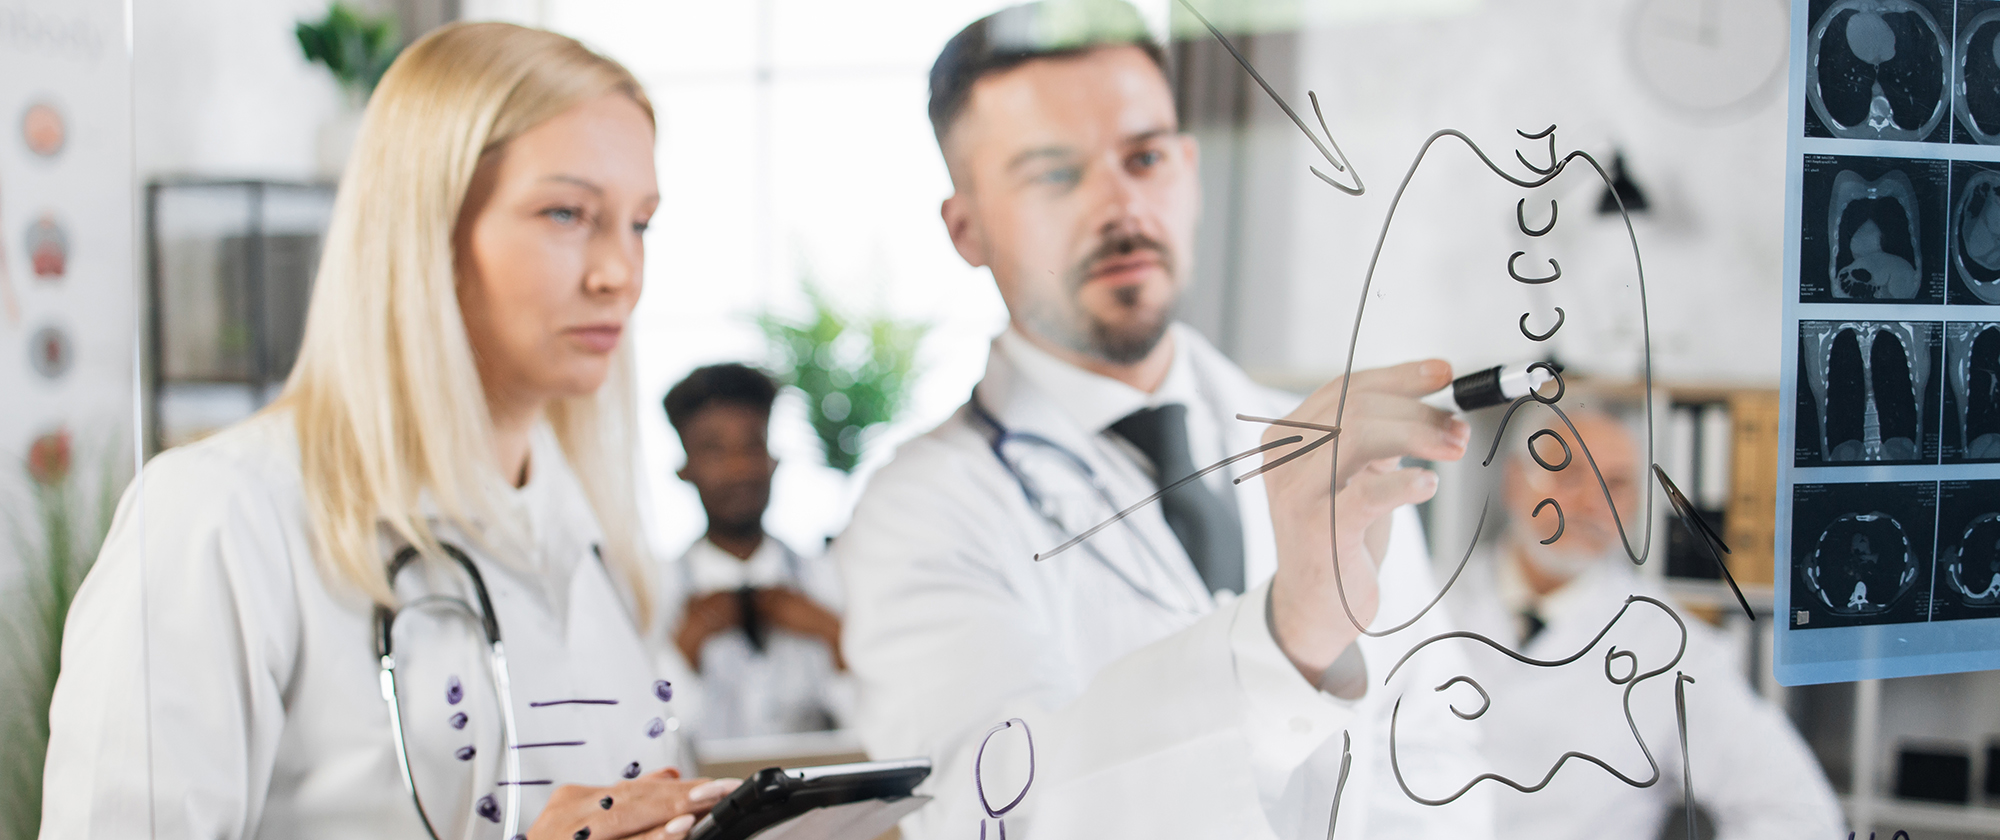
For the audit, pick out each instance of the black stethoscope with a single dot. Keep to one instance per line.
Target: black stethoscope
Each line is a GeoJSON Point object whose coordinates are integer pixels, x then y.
{"type": "Point", "coordinates": [489, 625]}
{"type": "Point", "coordinates": [1002, 436]}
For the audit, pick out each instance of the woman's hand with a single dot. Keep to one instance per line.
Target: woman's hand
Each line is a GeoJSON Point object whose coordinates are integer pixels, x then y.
{"type": "Point", "coordinates": [657, 806]}
{"type": "Point", "coordinates": [1322, 513]}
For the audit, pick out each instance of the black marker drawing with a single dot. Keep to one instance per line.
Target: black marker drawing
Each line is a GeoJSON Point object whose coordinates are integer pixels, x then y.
{"type": "Point", "coordinates": [1614, 658]}
{"type": "Point", "coordinates": [1561, 318]}
{"type": "Point", "coordinates": [1520, 216]}
{"type": "Point", "coordinates": [1681, 682]}
{"type": "Point", "coordinates": [1690, 518]}
{"type": "Point", "coordinates": [1340, 787]}
{"type": "Point", "coordinates": [1334, 157]}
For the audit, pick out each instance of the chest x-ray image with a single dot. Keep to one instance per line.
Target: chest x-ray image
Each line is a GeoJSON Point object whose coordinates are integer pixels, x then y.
{"type": "Point", "coordinates": [1975, 237]}
{"type": "Point", "coordinates": [1975, 70]}
{"type": "Point", "coordinates": [1867, 392]}
{"type": "Point", "coordinates": [1862, 553]}
{"type": "Point", "coordinates": [1972, 400]}
{"type": "Point", "coordinates": [1968, 557]}
{"type": "Point", "coordinates": [1874, 239]}
{"type": "Point", "coordinates": [1875, 230]}
{"type": "Point", "coordinates": [1876, 70]}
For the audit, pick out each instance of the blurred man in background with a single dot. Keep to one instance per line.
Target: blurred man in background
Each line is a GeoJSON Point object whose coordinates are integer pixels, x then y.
{"type": "Point", "coordinates": [758, 620]}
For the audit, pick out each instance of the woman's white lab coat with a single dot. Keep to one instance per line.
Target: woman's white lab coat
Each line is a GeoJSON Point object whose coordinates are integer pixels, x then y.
{"type": "Point", "coordinates": [1155, 713]}
{"type": "Point", "coordinates": [214, 684]}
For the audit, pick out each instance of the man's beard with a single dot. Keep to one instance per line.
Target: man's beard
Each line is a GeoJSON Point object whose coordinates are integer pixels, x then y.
{"type": "Point", "coordinates": [1129, 342]}
{"type": "Point", "coordinates": [1556, 563]}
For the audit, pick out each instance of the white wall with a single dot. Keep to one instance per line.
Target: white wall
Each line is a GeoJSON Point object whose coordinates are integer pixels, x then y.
{"type": "Point", "coordinates": [1712, 242]}
{"type": "Point", "coordinates": [221, 89]}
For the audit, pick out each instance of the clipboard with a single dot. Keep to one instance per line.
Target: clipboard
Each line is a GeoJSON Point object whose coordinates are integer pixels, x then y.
{"type": "Point", "coordinates": [835, 802]}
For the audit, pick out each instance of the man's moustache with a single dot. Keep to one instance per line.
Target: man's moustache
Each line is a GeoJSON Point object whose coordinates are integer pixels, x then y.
{"type": "Point", "coordinates": [1122, 247]}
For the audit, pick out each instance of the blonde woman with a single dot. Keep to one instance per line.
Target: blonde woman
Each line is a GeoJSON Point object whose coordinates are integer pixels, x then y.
{"type": "Point", "coordinates": [462, 391]}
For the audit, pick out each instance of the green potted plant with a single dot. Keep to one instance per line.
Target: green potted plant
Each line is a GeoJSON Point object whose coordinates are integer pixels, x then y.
{"type": "Point", "coordinates": [855, 373]}
{"type": "Point", "coordinates": [56, 545]}
{"type": "Point", "coordinates": [357, 48]}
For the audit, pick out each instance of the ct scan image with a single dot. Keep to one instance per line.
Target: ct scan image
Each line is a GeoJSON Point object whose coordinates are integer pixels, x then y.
{"type": "Point", "coordinates": [1872, 230]}
{"type": "Point", "coordinates": [1975, 233]}
{"type": "Point", "coordinates": [1972, 392]}
{"type": "Point", "coordinates": [1861, 553]}
{"type": "Point", "coordinates": [1975, 73]}
{"type": "Point", "coordinates": [1880, 70]}
{"type": "Point", "coordinates": [1868, 393]}
{"type": "Point", "coordinates": [1968, 554]}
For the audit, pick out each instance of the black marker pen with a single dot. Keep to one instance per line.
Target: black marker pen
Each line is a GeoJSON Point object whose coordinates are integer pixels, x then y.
{"type": "Point", "coordinates": [1497, 385]}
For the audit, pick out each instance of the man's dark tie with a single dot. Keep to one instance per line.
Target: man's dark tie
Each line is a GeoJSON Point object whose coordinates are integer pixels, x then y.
{"type": "Point", "coordinates": [1531, 625]}
{"type": "Point", "coordinates": [1206, 523]}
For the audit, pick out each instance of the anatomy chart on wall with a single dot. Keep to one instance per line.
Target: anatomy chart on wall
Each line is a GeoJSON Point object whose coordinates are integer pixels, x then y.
{"type": "Point", "coordinates": [1891, 564]}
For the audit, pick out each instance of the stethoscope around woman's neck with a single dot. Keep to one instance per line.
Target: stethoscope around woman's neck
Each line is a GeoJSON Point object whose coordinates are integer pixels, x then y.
{"type": "Point", "coordinates": [489, 625]}
{"type": "Point", "coordinates": [997, 441]}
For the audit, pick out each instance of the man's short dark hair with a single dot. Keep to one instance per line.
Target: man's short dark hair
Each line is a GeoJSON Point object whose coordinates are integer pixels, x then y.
{"type": "Point", "coordinates": [724, 383]}
{"type": "Point", "coordinates": [1018, 34]}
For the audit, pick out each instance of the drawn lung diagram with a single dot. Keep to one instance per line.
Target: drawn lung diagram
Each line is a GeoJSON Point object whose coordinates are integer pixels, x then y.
{"type": "Point", "coordinates": [1536, 165]}
{"type": "Point", "coordinates": [1625, 669]}
{"type": "Point", "coordinates": [1555, 444]}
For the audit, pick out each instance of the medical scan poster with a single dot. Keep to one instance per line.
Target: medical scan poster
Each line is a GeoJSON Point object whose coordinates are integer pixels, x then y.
{"type": "Point", "coordinates": [1889, 473]}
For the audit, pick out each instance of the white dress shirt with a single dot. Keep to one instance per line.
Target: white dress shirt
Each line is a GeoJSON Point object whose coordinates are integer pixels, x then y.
{"type": "Point", "coordinates": [1156, 709]}
{"type": "Point", "coordinates": [1096, 402]}
{"type": "Point", "coordinates": [1751, 772]}
{"type": "Point", "coordinates": [790, 686]}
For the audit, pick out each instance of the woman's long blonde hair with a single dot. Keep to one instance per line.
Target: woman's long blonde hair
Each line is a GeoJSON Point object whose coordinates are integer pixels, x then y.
{"type": "Point", "coordinates": [385, 395]}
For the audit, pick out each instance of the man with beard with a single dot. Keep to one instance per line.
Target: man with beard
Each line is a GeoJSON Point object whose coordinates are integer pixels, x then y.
{"type": "Point", "coordinates": [1195, 669]}
{"type": "Point", "coordinates": [754, 620]}
{"type": "Point", "coordinates": [1753, 776]}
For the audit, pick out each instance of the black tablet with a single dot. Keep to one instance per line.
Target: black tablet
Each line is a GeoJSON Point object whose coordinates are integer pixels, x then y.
{"type": "Point", "coordinates": [775, 794]}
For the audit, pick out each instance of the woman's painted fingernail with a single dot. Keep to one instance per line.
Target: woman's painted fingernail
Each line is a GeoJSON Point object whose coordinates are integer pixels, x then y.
{"type": "Point", "coordinates": [680, 825]}
{"type": "Point", "coordinates": [714, 790]}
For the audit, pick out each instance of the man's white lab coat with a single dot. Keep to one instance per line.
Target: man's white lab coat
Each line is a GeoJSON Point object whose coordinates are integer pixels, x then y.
{"type": "Point", "coordinates": [1156, 711]}
{"type": "Point", "coordinates": [1751, 772]}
